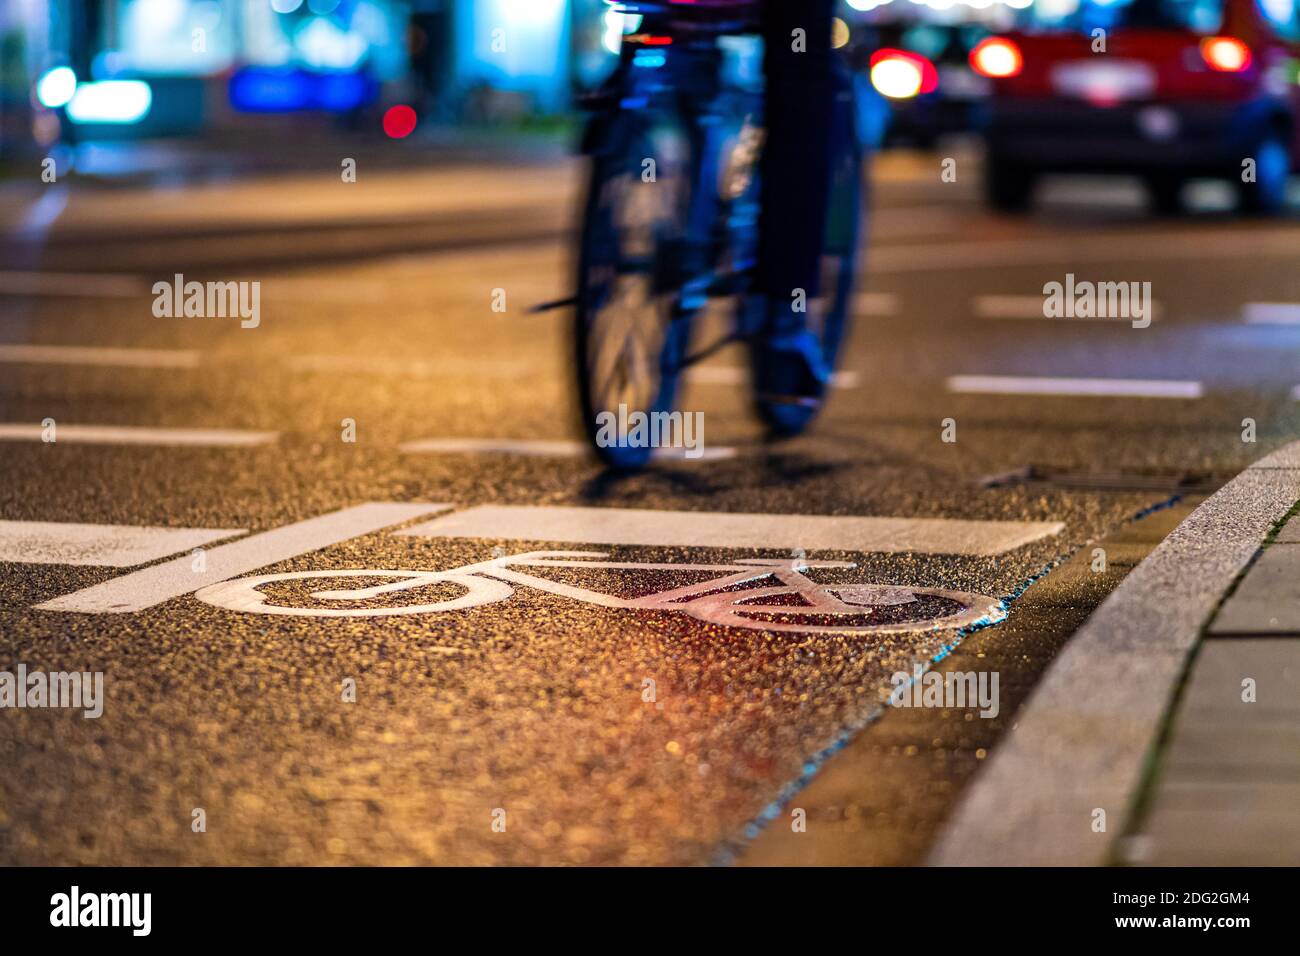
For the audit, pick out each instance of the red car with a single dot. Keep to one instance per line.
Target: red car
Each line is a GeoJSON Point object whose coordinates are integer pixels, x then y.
{"type": "Point", "coordinates": [1162, 89]}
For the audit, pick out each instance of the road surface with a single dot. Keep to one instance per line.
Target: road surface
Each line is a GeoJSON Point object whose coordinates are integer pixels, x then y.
{"type": "Point", "coordinates": [972, 447]}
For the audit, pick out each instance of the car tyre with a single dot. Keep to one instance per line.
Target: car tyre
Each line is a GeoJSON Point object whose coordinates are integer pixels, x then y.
{"type": "Point", "coordinates": [1008, 186]}
{"type": "Point", "coordinates": [1266, 196]}
{"type": "Point", "coordinates": [1166, 193]}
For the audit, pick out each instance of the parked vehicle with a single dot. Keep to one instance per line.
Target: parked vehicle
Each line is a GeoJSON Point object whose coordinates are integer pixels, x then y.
{"type": "Point", "coordinates": [1163, 89]}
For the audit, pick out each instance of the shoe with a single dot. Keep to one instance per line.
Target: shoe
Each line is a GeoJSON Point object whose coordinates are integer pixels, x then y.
{"type": "Point", "coordinates": [790, 373]}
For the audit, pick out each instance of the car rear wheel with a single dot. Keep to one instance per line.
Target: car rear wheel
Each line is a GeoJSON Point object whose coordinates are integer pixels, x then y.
{"type": "Point", "coordinates": [1266, 195]}
{"type": "Point", "coordinates": [1166, 194]}
{"type": "Point", "coordinates": [1008, 186]}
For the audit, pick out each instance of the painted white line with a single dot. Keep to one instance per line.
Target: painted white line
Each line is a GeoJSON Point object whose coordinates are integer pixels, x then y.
{"type": "Point", "coordinates": [99, 545]}
{"type": "Point", "coordinates": [707, 453]}
{"type": "Point", "coordinates": [1271, 313]}
{"type": "Point", "coordinates": [1030, 307]}
{"type": "Point", "coordinates": [133, 435]}
{"type": "Point", "coordinates": [875, 303]}
{"type": "Point", "coordinates": [1119, 387]}
{"type": "Point", "coordinates": [738, 376]}
{"type": "Point", "coordinates": [89, 284]}
{"type": "Point", "coordinates": [542, 448]}
{"type": "Point", "coordinates": [706, 529]}
{"type": "Point", "coordinates": [88, 355]}
{"type": "Point", "coordinates": [150, 586]}
{"type": "Point", "coordinates": [1112, 247]}
{"type": "Point", "coordinates": [428, 368]}
{"type": "Point", "coordinates": [527, 447]}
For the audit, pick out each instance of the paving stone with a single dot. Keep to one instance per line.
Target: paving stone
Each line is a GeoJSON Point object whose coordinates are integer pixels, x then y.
{"type": "Point", "coordinates": [1290, 533]}
{"type": "Point", "coordinates": [1267, 601]}
{"type": "Point", "coordinates": [1227, 826]}
{"type": "Point", "coordinates": [1229, 785]}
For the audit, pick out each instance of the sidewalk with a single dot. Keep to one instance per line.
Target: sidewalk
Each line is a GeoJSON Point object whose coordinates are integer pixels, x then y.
{"type": "Point", "coordinates": [1226, 789]}
{"type": "Point", "coordinates": [1168, 730]}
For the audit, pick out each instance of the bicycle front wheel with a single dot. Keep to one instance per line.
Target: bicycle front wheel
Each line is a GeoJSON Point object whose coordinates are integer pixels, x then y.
{"type": "Point", "coordinates": [631, 326]}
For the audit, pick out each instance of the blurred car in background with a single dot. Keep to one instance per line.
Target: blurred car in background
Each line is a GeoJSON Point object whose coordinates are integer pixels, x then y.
{"type": "Point", "coordinates": [1166, 90]}
{"type": "Point", "coordinates": [922, 71]}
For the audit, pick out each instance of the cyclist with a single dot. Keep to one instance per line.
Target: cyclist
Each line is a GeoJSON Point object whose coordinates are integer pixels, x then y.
{"type": "Point", "coordinates": [790, 375]}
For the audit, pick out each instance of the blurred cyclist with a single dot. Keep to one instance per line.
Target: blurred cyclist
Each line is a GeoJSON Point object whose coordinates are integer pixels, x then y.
{"type": "Point", "coordinates": [790, 375]}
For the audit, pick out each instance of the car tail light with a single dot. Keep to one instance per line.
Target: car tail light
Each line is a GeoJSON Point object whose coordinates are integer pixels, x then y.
{"type": "Point", "coordinates": [1225, 54]}
{"type": "Point", "coordinates": [900, 74]}
{"type": "Point", "coordinates": [996, 57]}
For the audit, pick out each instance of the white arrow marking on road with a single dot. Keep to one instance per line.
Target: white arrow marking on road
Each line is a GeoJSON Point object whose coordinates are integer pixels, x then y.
{"type": "Point", "coordinates": [150, 586]}
{"type": "Point", "coordinates": [134, 435]}
{"type": "Point", "coordinates": [1029, 385]}
{"type": "Point", "coordinates": [99, 545]}
{"type": "Point", "coordinates": [89, 355]}
{"type": "Point", "coordinates": [726, 530]}
{"type": "Point", "coordinates": [541, 448]}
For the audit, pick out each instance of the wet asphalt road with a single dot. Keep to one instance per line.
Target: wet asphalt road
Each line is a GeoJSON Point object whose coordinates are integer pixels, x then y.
{"type": "Point", "coordinates": [376, 308]}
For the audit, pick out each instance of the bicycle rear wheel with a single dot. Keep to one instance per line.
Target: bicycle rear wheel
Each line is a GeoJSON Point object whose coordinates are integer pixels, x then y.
{"type": "Point", "coordinates": [631, 326]}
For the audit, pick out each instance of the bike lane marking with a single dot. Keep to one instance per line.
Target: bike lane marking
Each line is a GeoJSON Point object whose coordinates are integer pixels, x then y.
{"type": "Point", "coordinates": [151, 586]}
{"type": "Point", "coordinates": [99, 545]}
{"type": "Point", "coordinates": [823, 608]}
{"type": "Point", "coordinates": [708, 529]}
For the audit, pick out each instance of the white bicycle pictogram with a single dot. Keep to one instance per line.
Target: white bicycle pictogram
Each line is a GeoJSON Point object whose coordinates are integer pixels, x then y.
{"type": "Point", "coordinates": [736, 597]}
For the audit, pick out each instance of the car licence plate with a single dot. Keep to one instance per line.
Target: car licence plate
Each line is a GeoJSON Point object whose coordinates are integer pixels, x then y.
{"type": "Point", "coordinates": [1104, 82]}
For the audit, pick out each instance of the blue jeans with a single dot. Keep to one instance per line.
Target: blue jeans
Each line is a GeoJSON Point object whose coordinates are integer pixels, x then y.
{"type": "Point", "coordinates": [796, 159]}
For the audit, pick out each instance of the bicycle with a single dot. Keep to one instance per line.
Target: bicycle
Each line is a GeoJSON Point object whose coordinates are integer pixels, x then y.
{"type": "Point", "coordinates": [670, 222]}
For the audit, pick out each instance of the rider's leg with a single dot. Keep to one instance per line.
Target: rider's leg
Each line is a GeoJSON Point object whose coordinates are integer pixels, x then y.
{"type": "Point", "coordinates": [791, 376]}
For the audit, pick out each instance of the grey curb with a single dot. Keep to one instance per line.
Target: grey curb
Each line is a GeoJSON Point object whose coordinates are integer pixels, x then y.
{"type": "Point", "coordinates": [1082, 739]}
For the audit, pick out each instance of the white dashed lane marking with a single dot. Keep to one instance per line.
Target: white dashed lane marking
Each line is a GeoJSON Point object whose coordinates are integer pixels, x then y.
{"type": "Point", "coordinates": [738, 377]}
{"type": "Point", "coordinates": [727, 530]}
{"type": "Point", "coordinates": [1281, 243]}
{"type": "Point", "coordinates": [99, 545]}
{"type": "Point", "coordinates": [541, 448]}
{"type": "Point", "coordinates": [150, 586]}
{"type": "Point", "coordinates": [1271, 313]}
{"type": "Point", "coordinates": [875, 303]}
{"type": "Point", "coordinates": [1029, 307]}
{"type": "Point", "coordinates": [134, 435]}
{"type": "Point", "coordinates": [1118, 387]}
{"type": "Point", "coordinates": [89, 355]}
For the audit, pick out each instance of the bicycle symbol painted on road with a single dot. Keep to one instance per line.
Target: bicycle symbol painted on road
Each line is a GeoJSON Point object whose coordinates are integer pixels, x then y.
{"type": "Point", "coordinates": [764, 594]}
